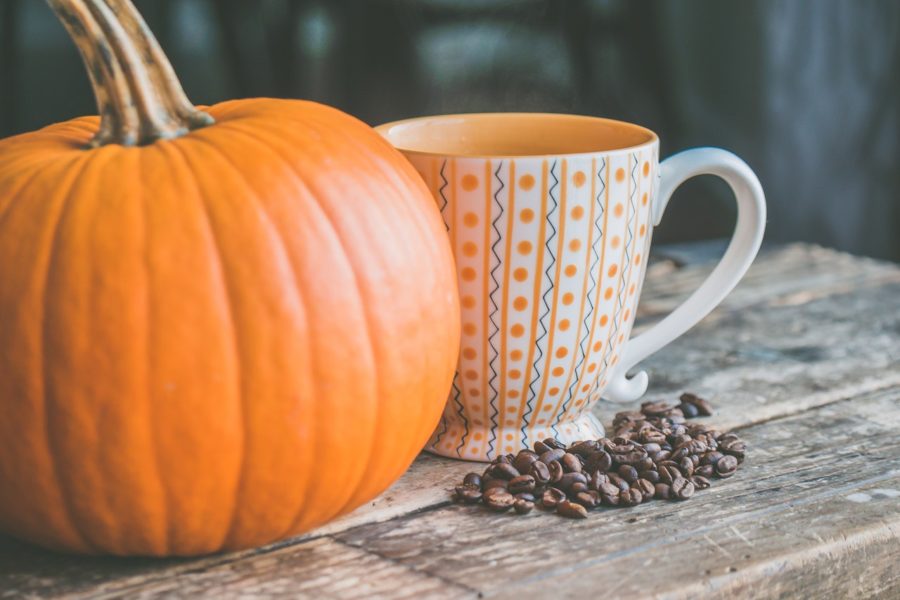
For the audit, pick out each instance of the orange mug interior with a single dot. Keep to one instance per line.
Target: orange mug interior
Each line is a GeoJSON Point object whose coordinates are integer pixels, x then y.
{"type": "Point", "coordinates": [513, 135]}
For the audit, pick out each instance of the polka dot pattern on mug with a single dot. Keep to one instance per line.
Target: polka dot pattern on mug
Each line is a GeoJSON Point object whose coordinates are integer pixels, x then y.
{"type": "Point", "coordinates": [550, 255]}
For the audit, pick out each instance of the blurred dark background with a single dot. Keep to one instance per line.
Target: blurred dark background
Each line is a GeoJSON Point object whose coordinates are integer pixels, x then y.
{"type": "Point", "coordinates": [806, 91]}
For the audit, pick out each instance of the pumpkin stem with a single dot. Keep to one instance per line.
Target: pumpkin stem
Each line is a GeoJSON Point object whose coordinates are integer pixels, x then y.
{"type": "Point", "coordinates": [138, 94]}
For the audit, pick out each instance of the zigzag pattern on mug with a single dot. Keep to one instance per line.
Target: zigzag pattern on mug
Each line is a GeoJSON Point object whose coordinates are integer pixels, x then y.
{"type": "Point", "coordinates": [495, 328]}
{"type": "Point", "coordinates": [436, 438]}
{"type": "Point", "coordinates": [457, 391]}
{"type": "Point", "coordinates": [597, 242]}
{"type": "Point", "coordinates": [443, 208]}
{"type": "Point", "coordinates": [542, 318]}
{"type": "Point", "coordinates": [446, 419]}
{"type": "Point", "coordinates": [627, 267]}
{"type": "Point", "coordinates": [619, 305]}
{"type": "Point", "coordinates": [465, 422]}
{"type": "Point", "coordinates": [444, 201]}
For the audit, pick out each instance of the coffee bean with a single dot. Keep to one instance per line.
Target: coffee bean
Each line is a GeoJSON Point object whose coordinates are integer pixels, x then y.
{"type": "Point", "coordinates": [585, 449]}
{"type": "Point", "coordinates": [556, 471]}
{"type": "Point", "coordinates": [703, 407]}
{"type": "Point", "coordinates": [678, 454]}
{"type": "Point", "coordinates": [571, 510]}
{"type": "Point", "coordinates": [736, 453]}
{"type": "Point", "coordinates": [679, 441]}
{"type": "Point", "coordinates": [619, 482]}
{"type": "Point", "coordinates": [705, 471]}
{"type": "Point", "coordinates": [522, 483]}
{"type": "Point", "coordinates": [523, 507]}
{"type": "Point", "coordinates": [628, 418]}
{"type": "Point", "coordinates": [468, 493]}
{"type": "Point", "coordinates": [700, 482]}
{"type": "Point", "coordinates": [631, 457]}
{"type": "Point", "coordinates": [631, 497]}
{"type": "Point", "coordinates": [600, 460]}
{"type": "Point", "coordinates": [608, 489]}
{"type": "Point", "coordinates": [669, 464]}
{"type": "Point", "coordinates": [711, 458]}
{"type": "Point", "coordinates": [661, 456]}
{"type": "Point", "coordinates": [577, 487]}
{"type": "Point", "coordinates": [653, 437]}
{"type": "Point", "coordinates": [646, 488]}
{"type": "Point", "coordinates": [551, 456]}
{"type": "Point", "coordinates": [524, 460]}
{"type": "Point", "coordinates": [587, 499]}
{"type": "Point", "coordinates": [628, 473]}
{"type": "Point", "coordinates": [698, 447]}
{"type": "Point", "coordinates": [618, 446]}
{"type": "Point", "coordinates": [650, 475]}
{"type": "Point", "coordinates": [570, 463]}
{"type": "Point", "coordinates": [689, 410]}
{"type": "Point", "coordinates": [652, 447]}
{"type": "Point", "coordinates": [552, 497]}
{"type": "Point", "coordinates": [503, 471]}
{"type": "Point", "coordinates": [665, 476]}
{"type": "Point", "coordinates": [566, 481]}
{"type": "Point", "coordinates": [730, 446]}
{"type": "Point", "coordinates": [473, 478]}
{"type": "Point", "coordinates": [726, 466]}
{"type": "Point", "coordinates": [498, 500]}
{"type": "Point", "coordinates": [540, 447]}
{"type": "Point", "coordinates": [682, 489]}
{"type": "Point", "coordinates": [643, 464]}
{"type": "Point", "coordinates": [487, 484]}
{"type": "Point", "coordinates": [662, 491]}
{"type": "Point", "coordinates": [652, 454]}
{"type": "Point", "coordinates": [610, 499]}
{"type": "Point", "coordinates": [596, 479]}
{"type": "Point", "coordinates": [554, 443]}
{"type": "Point", "coordinates": [539, 472]}
{"type": "Point", "coordinates": [657, 409]}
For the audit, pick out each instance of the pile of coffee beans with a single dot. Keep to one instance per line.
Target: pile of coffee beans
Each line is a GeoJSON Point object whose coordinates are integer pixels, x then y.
{"type": "Point", "coordinates": [653, 453]}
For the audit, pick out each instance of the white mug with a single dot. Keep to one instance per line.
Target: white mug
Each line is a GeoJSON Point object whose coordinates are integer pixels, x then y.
{"type": "Point", "coordinates": [550, 219]}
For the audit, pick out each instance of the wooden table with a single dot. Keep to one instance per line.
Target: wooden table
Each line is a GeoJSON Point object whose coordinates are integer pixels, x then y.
{"type": "Point", "coordinates": [803, 358]}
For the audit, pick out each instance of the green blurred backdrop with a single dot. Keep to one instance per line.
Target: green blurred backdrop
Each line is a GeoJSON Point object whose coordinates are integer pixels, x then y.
{"type": "Point", "coordinates": [807, 91]}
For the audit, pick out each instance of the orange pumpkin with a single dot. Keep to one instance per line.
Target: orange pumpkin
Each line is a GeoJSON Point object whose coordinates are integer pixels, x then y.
{"type": "Point", "coordinates": [216, 329]}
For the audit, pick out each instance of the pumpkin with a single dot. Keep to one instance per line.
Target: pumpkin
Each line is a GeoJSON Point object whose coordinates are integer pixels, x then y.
{"type": "Point", "coordinates": [217, 328]}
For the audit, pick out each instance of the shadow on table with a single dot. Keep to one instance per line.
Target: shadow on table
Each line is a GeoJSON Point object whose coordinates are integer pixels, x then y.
{"type": "Point", "coordinates": [25, 568]}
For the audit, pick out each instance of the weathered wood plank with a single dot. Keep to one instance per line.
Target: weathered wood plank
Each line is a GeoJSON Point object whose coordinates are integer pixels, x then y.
{"type": "Point", "coordinates": [26, 570]}
{"type": "Point", "coordinates": [320, 568]}
{"type": "Point", "coordinates": [820, 489]}
{"type": "Point", "coordinates": [775, 360]}
{"type": "Point", "coordinates": [786, 347]}
{"type": "Point", "coordinates": [793, 274]}
{"type": "Point", "coordinates": [794, 508]}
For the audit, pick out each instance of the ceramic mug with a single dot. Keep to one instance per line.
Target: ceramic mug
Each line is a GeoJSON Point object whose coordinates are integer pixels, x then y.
{"type": "Point", "coordinates": [550, 219]}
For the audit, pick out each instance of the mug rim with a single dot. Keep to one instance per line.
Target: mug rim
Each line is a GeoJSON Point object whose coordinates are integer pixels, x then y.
{"type": "Point", "coordinates": [651, 138]}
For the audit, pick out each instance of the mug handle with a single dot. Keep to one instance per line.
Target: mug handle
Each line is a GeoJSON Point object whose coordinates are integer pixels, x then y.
{"type": "Point", "coordinates": [742, 249]}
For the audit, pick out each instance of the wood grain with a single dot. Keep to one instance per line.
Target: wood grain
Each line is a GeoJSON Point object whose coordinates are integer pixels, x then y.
{"type": "Point", "coordinates": [779, 359]}
{"type": "Point", "coordinates": [804, 357]}
{"type": "Point", "coordinates": [794, 497]}
{"type": "Point", "coordinates": [321, 568]}
{"type": "Point", "coordinates": [793, 274]}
